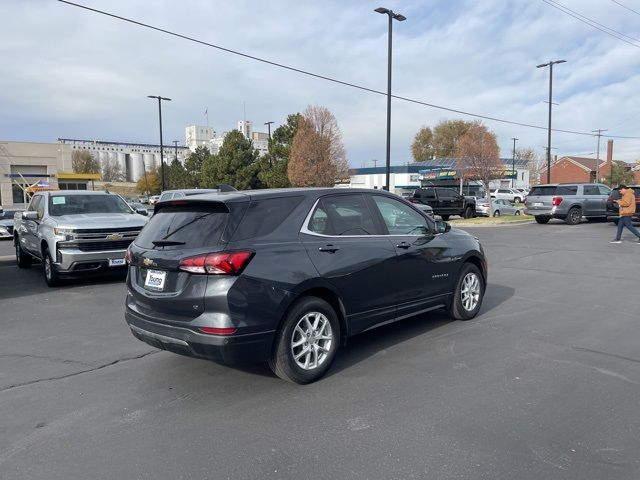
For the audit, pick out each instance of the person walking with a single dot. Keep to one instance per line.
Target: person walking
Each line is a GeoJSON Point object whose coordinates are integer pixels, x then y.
{"type": "Point", "coordinates": [627, 207]}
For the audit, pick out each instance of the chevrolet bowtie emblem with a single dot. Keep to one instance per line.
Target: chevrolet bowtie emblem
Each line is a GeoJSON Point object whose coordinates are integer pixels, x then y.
{"type": "Point", "coordinates": [114, 236]}
{"type": "Point", "coordinates": [147, 261]}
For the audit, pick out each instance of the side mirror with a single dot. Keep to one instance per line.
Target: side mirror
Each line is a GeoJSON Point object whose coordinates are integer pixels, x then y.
{"type": "Point", "coordinates": [142, 211]}
{"type": "Point", "coordinates": [442, 227]}
{"type": "Point", "coordinates": [30, 215]}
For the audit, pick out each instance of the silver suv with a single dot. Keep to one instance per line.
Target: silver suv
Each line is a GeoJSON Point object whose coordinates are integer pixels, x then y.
{"type": "Point", "coordinates": [568, 201]}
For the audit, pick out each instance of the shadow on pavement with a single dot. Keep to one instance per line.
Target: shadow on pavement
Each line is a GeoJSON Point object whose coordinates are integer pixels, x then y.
{"type": "Point", "coordinates": [16, 282]}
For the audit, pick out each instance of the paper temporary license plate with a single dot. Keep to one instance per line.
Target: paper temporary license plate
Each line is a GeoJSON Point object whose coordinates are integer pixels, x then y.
{"type": "Point", "coordinates": [155, 280]}
{"type": "Point", "coordinates": [116, 262]}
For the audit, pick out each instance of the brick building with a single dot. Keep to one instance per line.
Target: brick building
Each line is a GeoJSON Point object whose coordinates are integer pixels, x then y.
{"type": "Point", "coordinates": [583, 169]}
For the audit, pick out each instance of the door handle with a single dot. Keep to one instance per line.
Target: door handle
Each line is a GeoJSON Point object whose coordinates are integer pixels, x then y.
{"type": "Point", "coordinates": [404, 245]}
{"type": "Point", "coordinates": [329, 248]}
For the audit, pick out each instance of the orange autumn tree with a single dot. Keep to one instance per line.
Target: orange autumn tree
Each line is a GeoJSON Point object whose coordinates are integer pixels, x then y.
{"type": "Point", "coordinates": [318, 156]}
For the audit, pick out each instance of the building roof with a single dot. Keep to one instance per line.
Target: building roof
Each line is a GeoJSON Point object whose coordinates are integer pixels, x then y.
{"type": "Point", "coordinates": [452, 162]}
{"type": "Point", "coordinates": [586, 163]}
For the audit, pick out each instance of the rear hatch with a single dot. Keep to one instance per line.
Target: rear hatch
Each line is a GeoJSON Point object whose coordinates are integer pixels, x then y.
{"type": "Point", "coordinates": [541, 197]}
{"type": "Point", "coordinates": [163, 277]}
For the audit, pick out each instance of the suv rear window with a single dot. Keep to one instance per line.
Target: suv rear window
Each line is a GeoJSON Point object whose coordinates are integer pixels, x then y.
{"type": "Point", "coordinates": [542, 191]}
{"type": "Point", "coordinates": [264, 216]}
{"type": "Point", "coordinates": [193, 225]}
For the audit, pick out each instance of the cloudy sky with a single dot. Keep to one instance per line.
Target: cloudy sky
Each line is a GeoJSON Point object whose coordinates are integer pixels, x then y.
{"type": "Point", "coordinates": [71, 73]}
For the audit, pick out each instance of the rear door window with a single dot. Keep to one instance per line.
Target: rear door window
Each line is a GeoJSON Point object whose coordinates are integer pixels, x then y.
{"type": "Point", "coordinates": [566, 190]}
{"type": "Point", "coordinates": [591, 190]}
{"type": "Point", "coordinates": [194, 225]}
{"type": "Point", "coordinates": [343, 215]}
{"type": "Point", "coordinates": [399, 218]}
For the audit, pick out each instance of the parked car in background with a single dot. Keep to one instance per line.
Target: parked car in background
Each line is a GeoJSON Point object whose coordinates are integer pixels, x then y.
{"type": "Point", "coordinates": [286, 276]}
{"type": "Point", "coordinates": [140, 208]}
{"type": "Point", "coordinates": [425, 209]}
{"type": "Point", "coordinates": [510, 194]}
{"type": "Point", "coordinates": [153, 199]}
{"type": "Point", "coordinates": [445, 202]}
{"type": "Point", "coordinates": [568, 201]}
{"type": "Point", "coordinates": [613, 213]}
{"type": "Point", "coordinates": [75, 232]}
{"type": "Point", "coordinates": [143, 199]}
{"type": "Point", "coordinates": [6, 223]}
{"type": "Point", "coordinates": [498, 207]}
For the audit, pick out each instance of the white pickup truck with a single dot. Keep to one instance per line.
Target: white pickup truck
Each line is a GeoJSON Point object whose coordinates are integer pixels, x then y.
{"type": "Point", "coordinates": [75, 233]}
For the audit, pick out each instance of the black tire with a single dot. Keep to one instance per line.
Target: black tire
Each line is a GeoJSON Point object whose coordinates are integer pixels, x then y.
{"type": "Point", "coordinates": [468, 212]}
{"type": "Point", "coordinates": [496, 213]}
{"type": "Point", "coordinates": [445, 217]}
{"type": "Point", "coordinates": [574, 216]}
{"type": "Point", "coordinates": [517, 200]}
{"type": "Point", "coordinates": [282, 361]}
{"type": "Point", "coordinates": [23, 259]}
{"type": "Point", "coordinates": [517, 212]}
{"type": "Point", "coordinates": [458, 309]}
{"type": "Point", "coordinates": [51, 275]}
{"type": "Point", "coordinates": [541, 219]}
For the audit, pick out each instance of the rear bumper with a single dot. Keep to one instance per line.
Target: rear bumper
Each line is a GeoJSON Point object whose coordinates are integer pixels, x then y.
{"type": "Point", "coordinates": [228, 349]}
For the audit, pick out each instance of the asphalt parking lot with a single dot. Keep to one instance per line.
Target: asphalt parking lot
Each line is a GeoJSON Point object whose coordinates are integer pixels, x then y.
{"type": "Point", "coordinates": [544, 384]}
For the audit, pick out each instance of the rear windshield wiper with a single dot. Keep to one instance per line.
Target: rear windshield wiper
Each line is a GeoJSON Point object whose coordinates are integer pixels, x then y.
{"type": "Point", "coordinates": [166, 243]}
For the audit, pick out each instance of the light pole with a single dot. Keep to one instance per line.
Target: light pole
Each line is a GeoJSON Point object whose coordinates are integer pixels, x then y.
{"type": "Point", "coordinates": [513, 163]}
{"type": "Point", "coordinates": [401, 18]}
{"type": "Point", "coordinates": [175, 145]}
{"type": "Point", "coordinates": [160, 117]}
{"type": "Point", "coordinates": [268, 124]}
{"type": "Point", "coordinates": [550, 65]}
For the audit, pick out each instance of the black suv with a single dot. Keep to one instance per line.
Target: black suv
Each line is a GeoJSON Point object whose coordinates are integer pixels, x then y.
{"type": "Point", "coordinates": [613, 211]}
{"type": "Point", "coordinates": [285, 276]}
{"type": "Point", "coordinates": [445, 202]}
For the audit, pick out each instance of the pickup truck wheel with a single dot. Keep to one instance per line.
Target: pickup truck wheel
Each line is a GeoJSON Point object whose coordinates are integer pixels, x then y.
{"type": "Point", "coordinates": [541, 219]}
{"type": "Point", "coordinates": [51, 276]}
{"type": "Point", "coordinates": [23, 259]}
{"type": "Point", "coordinates": [467, 298]}
{"type": "Point", "coordinates": [444, 217]}
{"type": "Point", "coordinates": [574, 216]}
{"type": "Point", "coordinates": [496, 213]}
{"type": "Point", "coordinates": [468, 212]}
{"type": "Point", "coordinates": [307, 341]}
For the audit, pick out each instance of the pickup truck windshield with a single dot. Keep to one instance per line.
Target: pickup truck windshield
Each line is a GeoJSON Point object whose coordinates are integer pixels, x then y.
{"type": "Point", "coordinates": [79, 204]}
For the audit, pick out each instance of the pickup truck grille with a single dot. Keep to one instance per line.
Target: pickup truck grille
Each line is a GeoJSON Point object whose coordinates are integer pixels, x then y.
{"type": "Point", "coordinates": [108, 230]}
{"type": "Point", "coordinates": [98, 246]}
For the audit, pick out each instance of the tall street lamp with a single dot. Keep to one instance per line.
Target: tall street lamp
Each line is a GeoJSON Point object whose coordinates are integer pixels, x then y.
{"type": "Point", "coordinates": [513, 163]}
{"type": "Point", "coordinates": [550, 65]}
{"type": "Point", "coordinates": [400, 18]}
{"type": "Point", "coordinates": [160, 116]}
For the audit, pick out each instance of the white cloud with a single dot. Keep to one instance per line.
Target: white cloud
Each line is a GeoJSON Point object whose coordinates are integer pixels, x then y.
{"type": "Point", "coordinates": [72, 73]}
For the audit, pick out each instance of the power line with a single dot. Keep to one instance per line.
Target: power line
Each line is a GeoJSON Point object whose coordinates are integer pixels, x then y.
{"type": "Point", "coordinates": [324, 77]}
{"type": "Point", "coordinates": [593, 23]}
{"type": "Point", "coordinates": [624, 6]}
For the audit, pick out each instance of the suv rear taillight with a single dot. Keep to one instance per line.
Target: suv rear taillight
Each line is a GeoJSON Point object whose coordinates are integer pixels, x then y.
{"type": "Point", "coordinates": [218, 263]}
{"type": "Point", "coordinates": [556, 201]}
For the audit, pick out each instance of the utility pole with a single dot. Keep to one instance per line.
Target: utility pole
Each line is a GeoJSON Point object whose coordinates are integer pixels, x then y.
{"type": "Point", "coordinates": [550, 65]}
{"type": "Point", "coordinates": [513, 163]}
{"type": "Point", "coordinates": [175, 144]}
{"type": "Point", "coordinates": [160, 99]}
{"type": "Point", "coordinates": [268, 124]}
{"type": "Point", "coordinates": [598, 134]}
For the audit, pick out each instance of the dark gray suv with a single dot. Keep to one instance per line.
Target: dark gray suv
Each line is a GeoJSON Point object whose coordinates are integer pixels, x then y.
{"type": "Point", "coordinates": [285, 276]}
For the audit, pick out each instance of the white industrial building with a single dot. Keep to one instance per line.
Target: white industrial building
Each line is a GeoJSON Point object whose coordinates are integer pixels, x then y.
{"type": "Point", "coordinates": [199, 136]}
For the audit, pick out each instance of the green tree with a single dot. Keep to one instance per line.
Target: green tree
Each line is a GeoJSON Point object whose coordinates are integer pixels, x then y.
{"type": "Point", "coordinates": [177, 176]}
{"type": "Point", "coordinates": [273, 165]}
{"type": "Point", "coordinates": [193, 166]}
{"type": "Point", "coordinates": [83, 161]}
{"type": "Point", "coordinates": [446, 136]}
{"type": "Point", "coordinates": [235, 164]}
{"type": "Point", "coordinates": [422, 146]}
{"type": "Point", "coordinates": [620, 173]}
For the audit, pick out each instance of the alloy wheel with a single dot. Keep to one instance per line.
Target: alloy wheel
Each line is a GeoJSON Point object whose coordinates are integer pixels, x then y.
{"type": "Point", "coordinates": [311, 341]}
{"type": "Point", "coordinates": [470, 291]}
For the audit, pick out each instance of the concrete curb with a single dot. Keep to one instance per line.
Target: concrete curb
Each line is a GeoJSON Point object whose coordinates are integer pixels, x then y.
{"type": "Point", "coordinates": [492, 225]}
